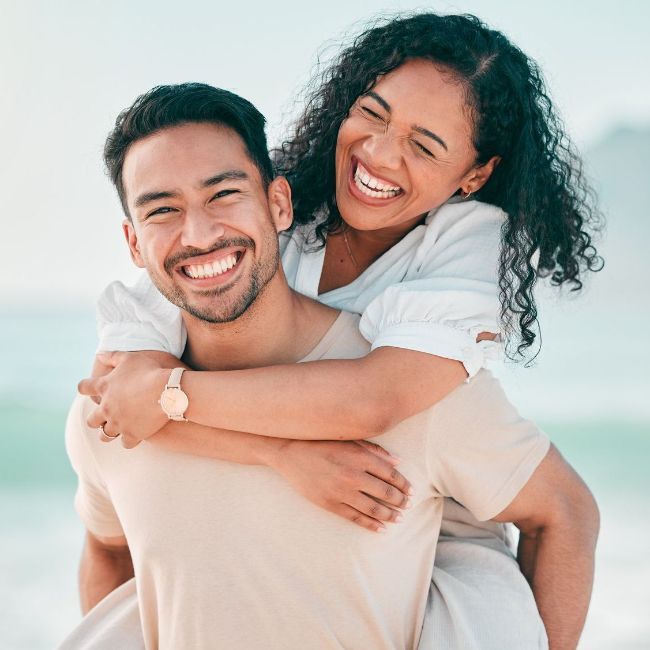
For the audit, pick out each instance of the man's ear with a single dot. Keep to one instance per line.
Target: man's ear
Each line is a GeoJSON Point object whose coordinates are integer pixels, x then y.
{"type": "Point", "coordinates": [279, 195]}
{"type": "Point", "coordinates": [479, 176]}
{"type": "Point", "coordinates": [132, 241]}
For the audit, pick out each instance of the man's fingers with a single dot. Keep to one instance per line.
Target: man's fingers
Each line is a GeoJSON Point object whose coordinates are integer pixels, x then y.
{"type": "Point", "coordinates": [386, 472]}
{"type": "Point", "coordinates": [372, 508]}
{"type": "Point", "coordinates": [358, 518]}
{"type": "Point", "coordinates": [379, 489]}
{"type": "Point", "coordinates": [379, 450]}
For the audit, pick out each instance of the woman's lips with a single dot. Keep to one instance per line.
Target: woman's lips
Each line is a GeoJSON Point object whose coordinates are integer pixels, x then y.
{"type": "Point", "coordinates": [361, 182]}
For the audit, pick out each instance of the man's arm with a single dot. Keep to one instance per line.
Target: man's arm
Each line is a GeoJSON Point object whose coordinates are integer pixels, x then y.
{"type": "Point", "coordinates": [559, 520]}
{"type": "Point", "coordinates": [105, 565]}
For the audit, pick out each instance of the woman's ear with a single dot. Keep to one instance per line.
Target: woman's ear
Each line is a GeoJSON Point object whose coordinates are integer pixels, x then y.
{"type": "Point", "coordinates": [479, 176]}
{"type": "Point", "coordinates": [132, 241]}
{"type": "Point", "coordinates": [279, 195]}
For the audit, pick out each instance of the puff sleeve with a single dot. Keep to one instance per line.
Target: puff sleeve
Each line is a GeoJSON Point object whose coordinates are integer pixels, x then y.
{"type": "Point", "coordinates": [138, 318]}
{"type": "Point", "coordinates": [450, 291]}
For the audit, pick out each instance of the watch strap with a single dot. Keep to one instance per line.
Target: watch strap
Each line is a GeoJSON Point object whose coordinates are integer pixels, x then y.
{"type": "Point", "coordinates": [174, 380]}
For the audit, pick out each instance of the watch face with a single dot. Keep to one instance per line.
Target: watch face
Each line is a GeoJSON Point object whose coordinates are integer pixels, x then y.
{"type": "Point", "coordinates": [174, 401]}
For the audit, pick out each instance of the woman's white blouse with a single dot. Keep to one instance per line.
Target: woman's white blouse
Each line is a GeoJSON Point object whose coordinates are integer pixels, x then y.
{"type": "Point", "coordinates": [434, 291]}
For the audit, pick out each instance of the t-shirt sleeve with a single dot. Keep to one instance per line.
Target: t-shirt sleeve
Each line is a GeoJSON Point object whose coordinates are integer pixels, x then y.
{"type": "Point", "coordinates": [451, 296]}
{"type": "Point", "coordinates": [138, 318]}
{"type": "Point", "coordinates": [92, 500]}
{"type": "Point", "coordinates": [480, 451]}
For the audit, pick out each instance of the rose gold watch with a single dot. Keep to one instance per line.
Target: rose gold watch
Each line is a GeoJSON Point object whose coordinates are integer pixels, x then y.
{"type": "Point", "coordinates": [173, 400]}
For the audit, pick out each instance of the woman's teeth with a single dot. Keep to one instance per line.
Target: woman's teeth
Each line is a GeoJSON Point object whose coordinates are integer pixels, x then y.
{"type": "Point", "coordinates": [371, 186]}
{"type": "Point", "coordinates": [210, 270]}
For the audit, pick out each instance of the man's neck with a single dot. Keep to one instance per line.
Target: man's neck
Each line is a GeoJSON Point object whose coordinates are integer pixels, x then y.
{"type": "Point", "coordinates": [281, 326]}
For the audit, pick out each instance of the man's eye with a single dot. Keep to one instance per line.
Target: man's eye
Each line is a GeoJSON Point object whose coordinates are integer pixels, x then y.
{"type": "Point", "coordinates": [221, 193]}
{"type": "Point", "coordinates": [423, 149]}
{"type": "Point", "coordinates": [163, 210]}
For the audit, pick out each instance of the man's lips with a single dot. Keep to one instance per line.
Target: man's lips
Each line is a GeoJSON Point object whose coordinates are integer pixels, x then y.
{"type": "Point", "coordinates": [218, 265]}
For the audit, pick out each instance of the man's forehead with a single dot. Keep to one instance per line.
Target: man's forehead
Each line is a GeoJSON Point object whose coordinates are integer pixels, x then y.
{"type": "Point", "coordinates": [186, 154]}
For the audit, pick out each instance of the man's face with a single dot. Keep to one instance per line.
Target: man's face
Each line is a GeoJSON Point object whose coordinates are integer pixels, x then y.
{"type": "Point", "coordinates": [203, 224]}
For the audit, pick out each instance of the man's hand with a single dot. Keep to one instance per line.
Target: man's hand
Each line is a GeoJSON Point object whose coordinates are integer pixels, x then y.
{"type": "Point", "coordinates": [126, 390]}
{"type": "Point", "coordinates": [105, 565]}
{"type": "Point", "coordinates": [356, 480]}
{"type": "Point", "coordinates": [558, 520]}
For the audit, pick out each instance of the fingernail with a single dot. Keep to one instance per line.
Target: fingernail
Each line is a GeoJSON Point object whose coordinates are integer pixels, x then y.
{"type": "Point", "coordinates": [381, 529]}
{"type": "Point", "coordinates": [398, 518]}
{"type": "Point", "coordinates": [410, 491]}
{"type": "Point", "coordinates": [408, 504]}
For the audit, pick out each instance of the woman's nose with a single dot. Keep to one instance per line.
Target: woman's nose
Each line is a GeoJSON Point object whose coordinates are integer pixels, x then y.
{"type": "Point", "coordinates": [201, 229]}
{"type": "Point", "coordinates": [382, 150]}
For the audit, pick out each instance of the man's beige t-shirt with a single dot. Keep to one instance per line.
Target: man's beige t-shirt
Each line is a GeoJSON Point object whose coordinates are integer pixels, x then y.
{"type": "Point", "coordinates": [230, 556]}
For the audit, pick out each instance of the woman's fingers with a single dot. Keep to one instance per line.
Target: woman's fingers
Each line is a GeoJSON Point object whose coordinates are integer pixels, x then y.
{"type": "Point", "coordinates": [359, 518]}
{"type": "Point", "coordinates": [378, 489]}
{"type": "Point", "coordinates": [374, 509]}
{"type": "Point", "coordinates": [88, 387]}
{"type": "Point", "coordinates": [96, 418]}
{"type": "Point", "coordinates": [379, 450]}
{"type": "Point", "coordinates": [128, 441]}
{"type": "Point", "coordinates": [388, 473]}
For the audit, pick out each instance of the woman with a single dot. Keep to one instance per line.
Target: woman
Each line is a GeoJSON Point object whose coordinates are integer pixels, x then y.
{"type": "Point", "coordinates": [418, 115]}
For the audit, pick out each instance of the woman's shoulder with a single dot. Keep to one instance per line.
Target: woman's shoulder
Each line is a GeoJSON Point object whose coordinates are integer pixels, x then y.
{"type": "Point", "coordinates": [459, 211]}
{"type": "Point", "coordinates": [460, 219]}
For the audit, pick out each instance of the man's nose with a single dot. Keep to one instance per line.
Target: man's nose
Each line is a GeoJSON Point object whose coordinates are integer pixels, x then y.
{"type": "Point", "coordinates": [382, 150]}
{"type": "Point", "coordinates": [201, 229]}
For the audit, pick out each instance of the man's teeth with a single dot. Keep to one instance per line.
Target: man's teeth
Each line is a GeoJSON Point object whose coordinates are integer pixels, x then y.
{"type": "Point", "coordinates": [371, 186]}
{"type": "Point", "coordinates": [210, 270]}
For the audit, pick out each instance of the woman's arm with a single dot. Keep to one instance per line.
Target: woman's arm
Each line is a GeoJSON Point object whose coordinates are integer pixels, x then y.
{"type": "Point", "coordinates": [355, 480]}
{"type": "Point", "coordinates": [346, 399]}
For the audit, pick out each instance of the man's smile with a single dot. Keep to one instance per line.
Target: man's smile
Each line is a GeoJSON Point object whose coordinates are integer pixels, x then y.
{"type": "Point", "coordinates": [214, 268]}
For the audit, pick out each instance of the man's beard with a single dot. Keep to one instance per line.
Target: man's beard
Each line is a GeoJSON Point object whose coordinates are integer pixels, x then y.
{"type": "Point", "coordinates": [261, 273]}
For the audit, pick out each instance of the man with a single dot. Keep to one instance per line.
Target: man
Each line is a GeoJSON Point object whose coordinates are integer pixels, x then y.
{"type": "Point", "coordinates": [227, 555]}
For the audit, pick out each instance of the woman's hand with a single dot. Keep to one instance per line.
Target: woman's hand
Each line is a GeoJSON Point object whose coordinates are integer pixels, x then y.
{"type": "Point", "coordinates": [126, 387]}
{"type": "Point", "coordinates": [356, 480]}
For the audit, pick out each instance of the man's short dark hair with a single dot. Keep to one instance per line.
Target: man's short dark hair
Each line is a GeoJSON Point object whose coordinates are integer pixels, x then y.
{"type": "Point", "coordinates": [167, 106]}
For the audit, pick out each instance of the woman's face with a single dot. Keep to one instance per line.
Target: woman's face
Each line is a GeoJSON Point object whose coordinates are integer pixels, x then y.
{"type": "Point", "coordinates": [405, 148]}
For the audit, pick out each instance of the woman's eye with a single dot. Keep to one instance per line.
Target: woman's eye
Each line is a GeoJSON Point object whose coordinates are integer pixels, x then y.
{"type": "Point", "coordinates": [371, 113]}
{"type": "Point", "coordinates": [423, 149]}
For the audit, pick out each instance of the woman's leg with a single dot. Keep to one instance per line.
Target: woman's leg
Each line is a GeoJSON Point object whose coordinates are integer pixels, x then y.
{"type": "Point", "coordinates": [479, 599]}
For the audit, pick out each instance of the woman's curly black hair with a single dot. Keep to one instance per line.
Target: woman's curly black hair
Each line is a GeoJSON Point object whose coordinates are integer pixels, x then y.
{"type": "Point", "coordinates": [539, 181]}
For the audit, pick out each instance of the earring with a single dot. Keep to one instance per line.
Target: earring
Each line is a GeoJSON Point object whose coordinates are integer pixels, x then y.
{"type": "Point", "coordinates": [467, 195]}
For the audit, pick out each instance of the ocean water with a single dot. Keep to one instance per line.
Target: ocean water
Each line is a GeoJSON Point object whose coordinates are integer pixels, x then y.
{"type": "Point", "coordinates": [594, 405]}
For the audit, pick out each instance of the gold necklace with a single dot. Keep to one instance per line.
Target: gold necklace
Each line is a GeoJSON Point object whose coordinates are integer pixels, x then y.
{"type": "Point", "coordinates": [347, 245]}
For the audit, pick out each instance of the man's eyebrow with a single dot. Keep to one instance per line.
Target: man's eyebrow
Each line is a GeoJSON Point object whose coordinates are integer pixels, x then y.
{"type": "Point", "coordinates": [420, 129]}
{"type": "Point", "coordinates": [230, 175]}
{"type": "Point", "coordinates": [431, 135]}
{"type": "Point", "coordinates": [149, 197]}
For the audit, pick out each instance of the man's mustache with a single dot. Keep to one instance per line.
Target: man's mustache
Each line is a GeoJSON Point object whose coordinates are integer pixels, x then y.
{"type": "Point", "coordinates": [188, 253]}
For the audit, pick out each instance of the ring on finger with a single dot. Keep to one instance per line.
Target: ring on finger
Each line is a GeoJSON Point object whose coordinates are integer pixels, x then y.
{"type": "Point", "coordinates": [107, 437]}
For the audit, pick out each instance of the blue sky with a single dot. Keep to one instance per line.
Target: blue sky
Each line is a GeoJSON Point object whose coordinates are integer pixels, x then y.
{"type": "Point", "coordinates": [69, 67]}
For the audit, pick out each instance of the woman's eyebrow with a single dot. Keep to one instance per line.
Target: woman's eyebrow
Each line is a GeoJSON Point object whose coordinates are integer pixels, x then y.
{"type": "Point", "coordinates": [420, 129]}
{"type": "Point", "coordinates": [379, 99]}
{"type": "Point", "coordinates": [430, 134]}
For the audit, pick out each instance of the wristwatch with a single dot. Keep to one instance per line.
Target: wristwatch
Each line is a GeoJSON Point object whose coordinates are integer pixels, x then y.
{"type": "Point", "coordinates": [173, 400]}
